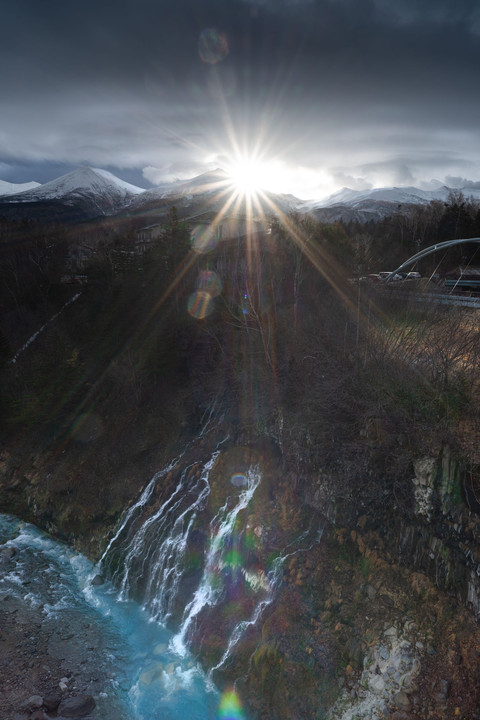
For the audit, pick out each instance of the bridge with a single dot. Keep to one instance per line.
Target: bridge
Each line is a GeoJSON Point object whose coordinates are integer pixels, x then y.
{"type": "Point", "coordinates": [440, 297]}
{"type": "Point", "coordinates": [429, 251]}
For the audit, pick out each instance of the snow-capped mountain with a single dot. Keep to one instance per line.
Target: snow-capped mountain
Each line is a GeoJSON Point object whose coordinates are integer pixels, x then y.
{"type": "Point", "coordinates": [8, 188]}
{"type": "Point", "coordinates": [80, 195]}
{"type": "Point", "coordinates": [84, 181]}
{"type": "Point", "coordinates": [373, 204]}
{"type": "Point", "coordinates": [207, 183]}
{"type": "Point", "coordinates": [209, 192]}
{"type": "Point", "coordinates": [213, 181]}
{"type": "Point", "coordinates": [408, 194]}
{"type": "Point", "coordinates": [88, 193]}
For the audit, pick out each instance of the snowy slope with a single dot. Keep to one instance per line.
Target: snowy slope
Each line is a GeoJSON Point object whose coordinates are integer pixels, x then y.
{"type": "Point", "coordinates": [83, 182]}
{"type": "Point", "coordinates": [8, 188]}
{"type": "Point", "coordinates": [213, 192]}
{"type": "Point", "coordinates": [91, 192]}
{"type": "Point", "coordinates": [397, 195]}
{"type": "Point", "coordinates": [82, 194]}
{"type": "Point", "coordinates": [376, 203]}
{"type": "Point", "coordinates": [210, 182]}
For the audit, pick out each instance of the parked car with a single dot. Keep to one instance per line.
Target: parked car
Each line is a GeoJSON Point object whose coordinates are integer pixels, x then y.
{"type": "Point", "coordinates": [385, 274]}
{"type": "Point", "coordinates": [370, 278]}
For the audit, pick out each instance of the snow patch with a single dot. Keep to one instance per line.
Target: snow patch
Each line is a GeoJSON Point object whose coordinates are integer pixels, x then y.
{"type": "Point", "coordinates": [8, 188]}
{"type": "Point", "coordinates": [81, 182]}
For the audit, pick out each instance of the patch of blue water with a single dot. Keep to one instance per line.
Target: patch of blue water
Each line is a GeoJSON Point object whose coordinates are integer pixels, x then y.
{"type": "Point", "coordinates": [147, 679]}
{"type": "Point", "coordinates": [162, 684]}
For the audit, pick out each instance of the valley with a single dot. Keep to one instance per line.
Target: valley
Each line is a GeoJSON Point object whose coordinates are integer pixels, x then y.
{"type": "Point", "coordinates": [314, 441]}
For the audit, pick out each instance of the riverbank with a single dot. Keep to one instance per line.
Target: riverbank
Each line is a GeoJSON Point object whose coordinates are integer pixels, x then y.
{"type": "Point", "coordinates": [39, 662]}
{"type": "Point", "coordinates": [53, 645]}
{"type": "Point", "coordinates": [68, 638]}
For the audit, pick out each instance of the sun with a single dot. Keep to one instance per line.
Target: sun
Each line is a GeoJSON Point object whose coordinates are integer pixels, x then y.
{"type": "Point", "coordinates": [250, 176]}
{"type": "Point", "coordinates": [246, 176]}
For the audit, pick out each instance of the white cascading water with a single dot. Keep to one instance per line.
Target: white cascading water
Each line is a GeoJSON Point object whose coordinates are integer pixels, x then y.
{"type": "Point", "coordinates": [208, 592]}
{"type": "Point", "coordinates": [242, 626]}
{"type": "Point", "coordinates": [184, 567]}
{"type": "Point", "coordinates": [149, 553]}
{"type": "Point", "coordinates": [146, 559]}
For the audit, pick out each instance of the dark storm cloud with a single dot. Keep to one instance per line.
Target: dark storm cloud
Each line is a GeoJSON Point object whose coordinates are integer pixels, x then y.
{"type": "Point", "coordinates": [367, 89]}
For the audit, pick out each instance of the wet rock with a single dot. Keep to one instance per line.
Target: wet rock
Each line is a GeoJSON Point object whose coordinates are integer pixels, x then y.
{"type": "Point", "coordinates": [33, 703]}
{"type": "Point", "coordinates": [377, 684]}
{"type": "Point", "coordinates": [441, 691]}
{"type": "Point", "coordinates": [39, 715]}
{"type": "Point", "coordinates": [98, 580]}
{"type": "Point", "coordinates": [401, 701]}
{"type": "Point", "coordinates": [51, 702]}
{"type": "Point", "coordinates": [7, 553]}
{"type": "Point", "coordinates": [76, 707]}
{"type": "Point", "coordinates": [384, 652]}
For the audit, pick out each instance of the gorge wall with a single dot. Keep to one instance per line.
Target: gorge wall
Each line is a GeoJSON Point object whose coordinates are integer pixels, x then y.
{"type": "Point", "coordinates": [377, 608]}
{"type": "Point", "coordinates": [361, 416]}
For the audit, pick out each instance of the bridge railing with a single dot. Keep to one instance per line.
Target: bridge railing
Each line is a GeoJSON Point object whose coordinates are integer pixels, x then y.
{"type": "Point", "coordinates": [429, 251]}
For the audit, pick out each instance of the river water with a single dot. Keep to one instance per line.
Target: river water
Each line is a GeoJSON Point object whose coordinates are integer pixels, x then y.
{"type": "Point", "coordinates": [100, 634]}
{"type": "Point", "coordinates": [183, 572]}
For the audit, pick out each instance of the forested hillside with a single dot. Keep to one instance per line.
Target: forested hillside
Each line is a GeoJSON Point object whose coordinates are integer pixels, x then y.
{"type": "Point", "coordinates": [342, 392]}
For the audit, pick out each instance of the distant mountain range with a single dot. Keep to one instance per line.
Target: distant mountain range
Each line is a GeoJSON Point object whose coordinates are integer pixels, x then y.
{"type": "Point", "coordinates": [88, 193]}
{"type": "Point", "coordinates": [377, 203]}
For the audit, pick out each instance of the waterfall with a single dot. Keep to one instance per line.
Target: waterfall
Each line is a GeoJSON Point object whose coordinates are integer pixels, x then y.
{"type": "Point", "coordinates": [221, 531]}
{"type": "Point", "coordinates": [241, 627]}
{"type": "Point", "coordinates": [146, 556]}
{"type": "Point", "coordinates": [187, 562]}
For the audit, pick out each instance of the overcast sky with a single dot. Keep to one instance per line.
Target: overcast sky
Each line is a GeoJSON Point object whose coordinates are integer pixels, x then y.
{"type": "Point", "coordinates": [353, 93]}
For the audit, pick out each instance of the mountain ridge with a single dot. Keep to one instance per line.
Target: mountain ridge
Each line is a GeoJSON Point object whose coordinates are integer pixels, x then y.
{"type": "Point", "coordinates": [89, 192]}
{"type": "Point", "coordinates": [8, 188]}
{"type": "Point", "coordinates": [83, 179]}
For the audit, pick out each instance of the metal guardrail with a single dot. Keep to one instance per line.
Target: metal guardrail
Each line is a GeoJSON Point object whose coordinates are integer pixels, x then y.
{"type": "Point", "coordinates": [453, 300]}
{"type": "Point", "coordinates": [439, 298]}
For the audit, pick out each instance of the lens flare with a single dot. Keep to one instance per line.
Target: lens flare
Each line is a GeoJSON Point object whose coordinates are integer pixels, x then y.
{"type": "Point", "coordinates": [204, 238]}
{"type": "Point", "coordinates": [233, 559]}
{"type": "Point", "coordinates": [239, 480]}
{"type": "Point", "coordinates": [200, 304]}
{"type": "Point", "coordinates": [208, 281]}
{"type": "Point", "coordinates": [212, 46]}
{"type": "Point", "coordinates": [230, 707]}
{"type": "Point", "coordinates": [248, 176]}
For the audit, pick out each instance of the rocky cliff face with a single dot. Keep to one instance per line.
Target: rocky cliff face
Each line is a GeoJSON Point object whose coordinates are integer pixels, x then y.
{"type": "Point", "coordinates": [375, 616]}
{"type": "Point", "coordinates": [397, 596]}
{"type": "Point", "coordinates": [355, 419]}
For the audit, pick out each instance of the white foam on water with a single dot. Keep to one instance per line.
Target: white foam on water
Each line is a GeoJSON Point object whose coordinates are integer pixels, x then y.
{"type": "Point", "coordinates": [131, 642]}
